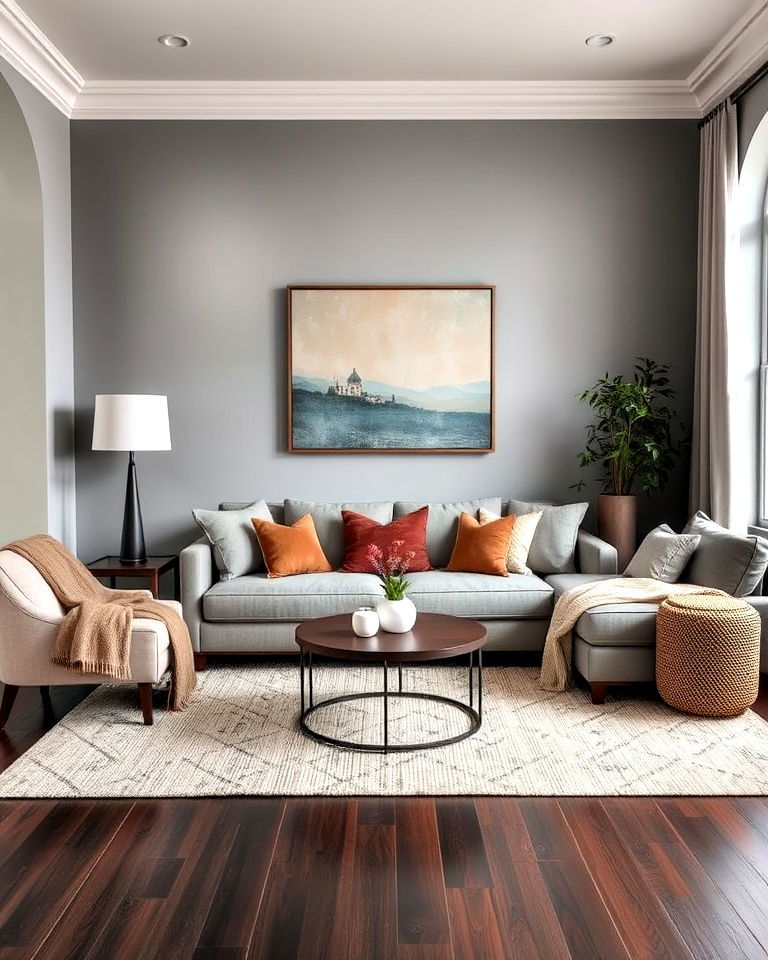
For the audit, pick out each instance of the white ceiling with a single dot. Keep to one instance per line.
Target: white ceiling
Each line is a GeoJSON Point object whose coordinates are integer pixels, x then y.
{"type": "Point", "coordinates": [391, 40]}
{"type": "Point", "coordinates": [460, 59]}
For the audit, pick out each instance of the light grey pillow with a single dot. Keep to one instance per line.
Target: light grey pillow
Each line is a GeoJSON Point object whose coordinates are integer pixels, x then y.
{"type": "Point", "coordinates": [554, 544]}
{"type": "Point", "coordinates": [443, 522]}
{"type": "Point", "coordinates": [724, 559]}
{"type": "Point", "coordinates": [663, 554]}
{"type": "Point", "coordinates": [329, 524]}
{"type": "Point", "coordinates": [231, 534]}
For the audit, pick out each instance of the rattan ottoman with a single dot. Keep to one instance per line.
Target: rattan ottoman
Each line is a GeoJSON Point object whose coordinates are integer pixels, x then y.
{"type": "Point", "coordinates": [707, 654]}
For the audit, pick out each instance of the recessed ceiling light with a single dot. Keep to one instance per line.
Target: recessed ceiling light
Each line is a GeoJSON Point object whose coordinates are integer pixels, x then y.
{"type": "Point", "coordinates": [173, 40]}
{"type": "Point", "coordinates": [600, 40]}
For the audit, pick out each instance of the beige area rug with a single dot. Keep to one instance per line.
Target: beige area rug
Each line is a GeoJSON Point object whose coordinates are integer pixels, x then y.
{"type": "Point", "coordinates": [239, 737]}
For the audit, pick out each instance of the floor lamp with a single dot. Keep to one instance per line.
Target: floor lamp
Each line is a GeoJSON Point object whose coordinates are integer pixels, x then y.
{"type": "Point", "coordinates": [130, 422]}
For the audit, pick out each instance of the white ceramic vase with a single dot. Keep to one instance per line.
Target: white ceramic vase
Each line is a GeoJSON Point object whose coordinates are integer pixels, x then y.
{"type": "Point", "coordinates": [396, 616]}
{"type": "Point", "coordinates": [365, 622]}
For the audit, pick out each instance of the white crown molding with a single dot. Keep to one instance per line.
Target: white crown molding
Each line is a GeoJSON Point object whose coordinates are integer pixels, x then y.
{"type": "Point", "coordinates": [377, 100]}
{"type": "Point", "coordinates": [742, 51]}
{"type": "Point", "coordinates": [28, 50]}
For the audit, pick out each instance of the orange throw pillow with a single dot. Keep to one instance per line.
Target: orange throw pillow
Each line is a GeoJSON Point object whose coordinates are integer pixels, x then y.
{"type": "Point", "coordinates": [291, 550]}
{"type": "Point", "coordinates": [481, 548]}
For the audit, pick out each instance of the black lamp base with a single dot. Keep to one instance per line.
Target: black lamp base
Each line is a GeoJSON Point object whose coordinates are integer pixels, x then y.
{"type": "Point", "coordinates": [132, 546]}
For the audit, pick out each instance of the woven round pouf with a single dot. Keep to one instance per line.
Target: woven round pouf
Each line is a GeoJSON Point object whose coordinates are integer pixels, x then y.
{"type": "Point", "coordinates": [707, 654]}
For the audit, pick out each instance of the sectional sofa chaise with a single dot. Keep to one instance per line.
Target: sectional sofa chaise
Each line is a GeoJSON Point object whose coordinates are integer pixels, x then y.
{"type": "Point", "coordinates": [252, 614]}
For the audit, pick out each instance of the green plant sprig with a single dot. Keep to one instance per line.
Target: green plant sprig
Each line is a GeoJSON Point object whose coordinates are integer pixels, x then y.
{"type": "Point", "coordinates": [395, 586]}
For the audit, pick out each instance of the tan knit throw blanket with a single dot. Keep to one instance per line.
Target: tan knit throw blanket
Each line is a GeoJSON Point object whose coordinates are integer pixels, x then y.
{"type": "Point", "coordinates": [556, 662]}
{"type": "Point", "coordinates": [95, 634]}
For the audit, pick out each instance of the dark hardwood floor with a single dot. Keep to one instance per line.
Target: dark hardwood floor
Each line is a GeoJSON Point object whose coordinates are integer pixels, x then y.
{"type": "Point", "coordinates": [362, 879]}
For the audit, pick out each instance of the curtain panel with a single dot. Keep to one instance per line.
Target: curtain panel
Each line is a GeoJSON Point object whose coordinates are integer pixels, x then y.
{"type": "Point", "coordinates": [712, 487]}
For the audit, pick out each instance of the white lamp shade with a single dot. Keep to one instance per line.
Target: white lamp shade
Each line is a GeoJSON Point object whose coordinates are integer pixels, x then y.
{"type": "Point", "coordinates": [131, 421]}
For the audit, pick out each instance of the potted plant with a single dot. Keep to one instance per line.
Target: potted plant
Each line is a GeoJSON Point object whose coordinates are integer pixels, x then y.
{"type": "Point", "coordinates": [631, 440]}
{"type": "Point", "coordinates": [397, 613]}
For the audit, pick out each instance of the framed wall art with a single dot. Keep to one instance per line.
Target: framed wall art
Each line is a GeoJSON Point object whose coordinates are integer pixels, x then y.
{"type": "Point", "coordinates": [391, 369]}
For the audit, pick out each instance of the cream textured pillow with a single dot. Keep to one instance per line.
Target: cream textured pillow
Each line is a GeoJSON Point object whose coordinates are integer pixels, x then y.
{"type": "Point", "coordinates": [522, 538]}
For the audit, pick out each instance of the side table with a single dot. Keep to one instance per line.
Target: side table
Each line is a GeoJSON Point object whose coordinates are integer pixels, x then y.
{"type": "Point", "coordinates": [110, 568]}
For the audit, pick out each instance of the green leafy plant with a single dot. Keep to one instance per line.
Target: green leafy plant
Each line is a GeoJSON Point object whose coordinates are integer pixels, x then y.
{"type": "Point", "coordinates": [632, 437]}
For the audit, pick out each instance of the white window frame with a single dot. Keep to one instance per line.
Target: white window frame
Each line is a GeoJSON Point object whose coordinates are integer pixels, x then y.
{"type": "Point", "coordinates": [763, 478]}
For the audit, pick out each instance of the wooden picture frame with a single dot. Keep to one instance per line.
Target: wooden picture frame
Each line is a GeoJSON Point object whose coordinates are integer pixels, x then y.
{"type": "Point", "coordinates": [424, 380]}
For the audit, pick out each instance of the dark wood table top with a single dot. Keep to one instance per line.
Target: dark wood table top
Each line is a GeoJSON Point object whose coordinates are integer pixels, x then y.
{"type": "Point", "coordinates": [115, 566]}
{"type": "Point", "coordinates": [435, 636]}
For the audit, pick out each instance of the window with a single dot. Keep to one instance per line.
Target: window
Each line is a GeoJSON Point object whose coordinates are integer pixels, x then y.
{"type": "Point", "coordinates": [763, 488]}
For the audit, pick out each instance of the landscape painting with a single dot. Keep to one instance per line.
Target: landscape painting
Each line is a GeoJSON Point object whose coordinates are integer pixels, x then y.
{"type": "Point", "coordinates": [390, 369]}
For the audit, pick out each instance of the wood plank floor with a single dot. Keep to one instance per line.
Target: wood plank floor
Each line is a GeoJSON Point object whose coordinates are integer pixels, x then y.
{"type": "Point", "coordinates": [363, 879]}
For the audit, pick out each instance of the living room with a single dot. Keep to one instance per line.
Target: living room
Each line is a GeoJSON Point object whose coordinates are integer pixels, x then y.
{"type": "Point", "coordinates": [385, 495]}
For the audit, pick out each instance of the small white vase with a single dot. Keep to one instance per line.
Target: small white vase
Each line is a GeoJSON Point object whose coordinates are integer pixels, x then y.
{"type": "Point", "coordinates": [396, 616]}
{"type": "Point", "coordinates": [365, 622]}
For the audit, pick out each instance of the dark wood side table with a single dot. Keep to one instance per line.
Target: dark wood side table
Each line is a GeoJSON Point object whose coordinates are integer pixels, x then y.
{"type": "Point", "coordinates": [110, 568]}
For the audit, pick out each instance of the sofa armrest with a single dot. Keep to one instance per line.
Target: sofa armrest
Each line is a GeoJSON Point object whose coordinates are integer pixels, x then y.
{"type": "Point", "coordinates": [761, 605]}
{"type": "Point", "coordinates": [197, 577]}
{"type": "Point", "coordinates": [595, 555]}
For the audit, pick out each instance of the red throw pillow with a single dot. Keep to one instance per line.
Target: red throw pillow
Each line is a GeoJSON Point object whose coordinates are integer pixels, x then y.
{"type": "Point", "coordinates": [360, 533]}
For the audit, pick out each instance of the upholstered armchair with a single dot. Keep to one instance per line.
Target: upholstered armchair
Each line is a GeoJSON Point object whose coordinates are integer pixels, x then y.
{"type": "Point", "coordinates": [30, 616]}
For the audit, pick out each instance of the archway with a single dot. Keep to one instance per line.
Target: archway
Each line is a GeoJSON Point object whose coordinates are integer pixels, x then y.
{"type": "Point", "coordinates": [23, 463]}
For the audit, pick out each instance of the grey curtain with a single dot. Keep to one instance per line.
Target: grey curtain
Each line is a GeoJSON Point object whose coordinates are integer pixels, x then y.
{"type": "Point", "coordinates": [711, 463]}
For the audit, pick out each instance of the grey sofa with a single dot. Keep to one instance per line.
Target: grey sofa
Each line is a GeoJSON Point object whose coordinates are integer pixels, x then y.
{"type": "Point", "coordinates": [613, 644]}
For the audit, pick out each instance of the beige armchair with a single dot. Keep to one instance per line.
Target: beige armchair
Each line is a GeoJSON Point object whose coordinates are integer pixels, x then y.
{"type": "Point", "coordinates": [29, 618]}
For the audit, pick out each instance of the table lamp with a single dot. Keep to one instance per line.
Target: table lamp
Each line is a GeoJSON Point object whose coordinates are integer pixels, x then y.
{"type": "Point", "coordinates": [130, 422]}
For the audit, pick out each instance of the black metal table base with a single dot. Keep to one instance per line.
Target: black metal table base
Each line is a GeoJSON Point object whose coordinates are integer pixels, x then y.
{"type": "Point", "coordinates": [306, 666]}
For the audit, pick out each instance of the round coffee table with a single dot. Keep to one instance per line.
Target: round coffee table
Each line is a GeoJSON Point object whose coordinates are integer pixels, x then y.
{"type": "Point", "coordinates": [435, 636]}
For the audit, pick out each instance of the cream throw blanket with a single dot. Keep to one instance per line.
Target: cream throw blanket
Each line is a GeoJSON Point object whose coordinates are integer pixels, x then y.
{"type": "Point", "coordinates": [556, 662]}
{"type": "Point", "coordinates": [95, 634]}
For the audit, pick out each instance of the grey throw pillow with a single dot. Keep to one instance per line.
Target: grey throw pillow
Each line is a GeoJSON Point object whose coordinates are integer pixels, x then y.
{"type": "Point", "coordinates": [724, 559]}
{"type": "Point", "coordinates": [231, 534]}
{"type": "Point", "coordinates": [663, 555]}
{"type": "Point", "coordinates": [553, 549]}
{"type": "Point", "coordinates": [443, 522]}
{"type": "Point", "coordinates": [329, 524]}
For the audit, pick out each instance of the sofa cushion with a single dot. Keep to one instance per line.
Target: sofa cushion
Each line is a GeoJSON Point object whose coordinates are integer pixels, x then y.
{"type": "Point", "coordinates": [724, 559]}
{"type": "Point", "coordinates": [276, 509]}
{"type": "Point", "coordinates": [301, 597]}
{"type": "Point", "coordinates": [610, 624]}
{"type": "Point", "coordinates": [522, 538]}
{"type": "Point", "coordinates": [553, 549]}
{"type": "Point", "coordinates": [400, 545]}
{"type": "Point", "coordinates": [443, 522]}
{"type": "Point", "coordinates": [323, 594]}
{"type": "Point", "coordinates": [480, 595]}
{"type": "Point", "coordinates": [663, 554]}
{"type": "Point", "coordinates": [560, 582]}
{"type": "Point", "coordinates": [328, 522]}
{"type": "Point", "coordinates": [230, 533]}
{"type": "Point", "coordinates": [290, 551]}
{"type": "Point", "coordinates": [482, 547]}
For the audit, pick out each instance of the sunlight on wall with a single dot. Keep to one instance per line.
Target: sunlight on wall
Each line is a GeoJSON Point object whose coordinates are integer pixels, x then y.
{"type": "Point", "coordinates": [23, 462]}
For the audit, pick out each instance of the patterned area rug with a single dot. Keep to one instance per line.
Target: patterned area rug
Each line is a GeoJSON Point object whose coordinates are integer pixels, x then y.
{"type": "Point", "coordinates": [239, 737]}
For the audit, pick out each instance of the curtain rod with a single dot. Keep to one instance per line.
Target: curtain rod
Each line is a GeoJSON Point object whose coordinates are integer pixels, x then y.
{"type": "Point", "coordinates": [737, 94]}
{"type": "Point", "coordinates": [750, 82]}
{"type": "Point", "coordinates": [712, 114]}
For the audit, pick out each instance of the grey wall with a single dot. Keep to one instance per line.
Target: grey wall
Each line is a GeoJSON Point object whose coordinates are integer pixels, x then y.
{"type": "Point", "coordinates": [185, 233]}
{"type": "Point", "coordinates": [23, 508]}
{"type": "Point", "coordinates": [49, 131]}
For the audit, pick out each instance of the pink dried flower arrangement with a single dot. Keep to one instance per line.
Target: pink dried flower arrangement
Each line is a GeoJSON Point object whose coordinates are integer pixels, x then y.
{"type": "Point", "coordinates": [391, 568]}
